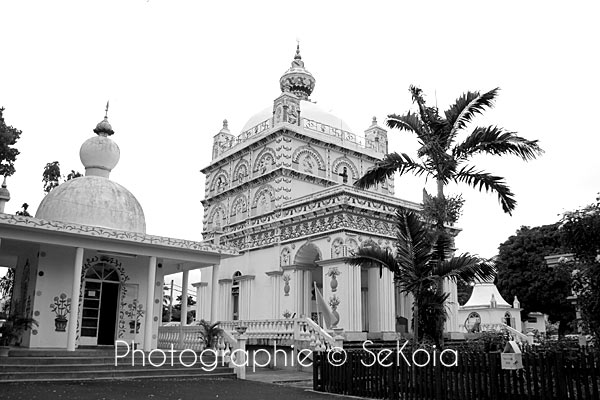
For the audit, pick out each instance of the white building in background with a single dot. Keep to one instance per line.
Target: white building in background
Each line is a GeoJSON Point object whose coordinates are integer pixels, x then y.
{"type": "Point", "coordinates": [281, 192]}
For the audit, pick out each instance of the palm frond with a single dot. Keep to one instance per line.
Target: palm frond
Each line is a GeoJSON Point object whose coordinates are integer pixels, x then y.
{"type": "Point", "coordinates": [467, 267]}
{"type": "Point", "coordinates": [409, 122]}
{"type": "Point", "coordinates": [386, 168]}
{"type": "Point", "coordinates": [483, 180]}
{"type": "Point", "coordinates": [466, 107]}
{"type": "Point", "coordinates": [373, 255]}
{"type": "Point", "coordinates": [497, 141]}
{"type": "Point", "coordinates": [413, 249]}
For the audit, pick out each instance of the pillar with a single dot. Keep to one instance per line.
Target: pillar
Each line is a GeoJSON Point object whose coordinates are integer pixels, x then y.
{"type": "Point", "coordinates": [214, 293]}
{"type": "Point", "coordinates": [202, 301]}
{"type": "Point", "coordinates": [381, 300]}
{"type": "Point", "coordinates": [185, 281]}
{"type": "Point", "coordinates": [75, 290]}
{"type": "Point", "coordinates": [347, 290]}
{"type": "Point", "coordinates": [225, 312]}
{"type": "Point", "coordinates": [276, 277]}
{"type": "Point", "coordinates": [149, 303]}
{"type": "Point", "coordinates": [245, 298]}
{"type": "Point", "coordinates": [451, 305]}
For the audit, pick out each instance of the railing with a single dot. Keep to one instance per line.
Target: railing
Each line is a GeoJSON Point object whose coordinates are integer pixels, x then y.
{"type": "Point", "coordinates": [501, 327]}
{"type": "Point", "coordinates": [266, 329]}
{"type": "Point", "coordinates": [311, 125]}
{"type": "Point", "coordinates": [181, 337]}
{"type": "Point", "coordinates": [319, 338]}
{"type": "Point", "coordinates": [341, 134]}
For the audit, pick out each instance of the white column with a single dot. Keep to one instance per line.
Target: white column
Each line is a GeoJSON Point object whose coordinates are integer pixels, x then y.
{"type": "Point", "coordinates": [226, 306]}
{"type": "Point", "coordinates": [381, 301]}
{"type": "Point", "coordinates": [202, 301]}
{"type": "Point", "coordinates": [214, 293]}
{"type": "Point", "coordinates": [184, 295]}
{"type": "Point", "coordinates": [149, 304]}
{"type": "Point", "coordinates": [75, 289]}
{"type": "Point", "coordinates": [275, 293]}
{"type": "Point", "coordinates": [306, 304]}
{"type": "Point", "coordinates": [298, 291]}
{"type": "Point", "coordinates": [245, 298]}
{"type": "Point", "coordinates": [354, 301]}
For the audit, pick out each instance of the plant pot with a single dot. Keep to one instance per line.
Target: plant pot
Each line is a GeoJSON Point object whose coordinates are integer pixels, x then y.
{"type": "Point", "coordinates": [60, 323]}
{"type": "Point", "coordinates": [286, 289]}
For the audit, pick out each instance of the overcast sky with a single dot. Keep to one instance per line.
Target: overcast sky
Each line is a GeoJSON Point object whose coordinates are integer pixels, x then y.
{"type": "Point", "coordinates": [173, 70]}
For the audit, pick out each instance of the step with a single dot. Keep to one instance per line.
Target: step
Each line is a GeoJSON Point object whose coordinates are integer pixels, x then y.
{"type": "Point", "coordinates": [187, 359]}
{"type": "Point", "coordinates": [111, 375]}
{"type": "Point", "coordinates": [103, 367]}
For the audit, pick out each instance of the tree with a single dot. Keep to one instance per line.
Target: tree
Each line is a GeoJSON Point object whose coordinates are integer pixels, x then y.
{"type": "Point", "coordinates": [523, 272]}
{"type": "Point", "coordinates": [51, 176]}
{"type": "Point", "coordinates": [444, 160]}
{"type": "Point", "coordinates": [419, 266]}
{"type": "Point", "coordinates": [8, 153]}
{"type": "Point", "coordinates": [580, 233]}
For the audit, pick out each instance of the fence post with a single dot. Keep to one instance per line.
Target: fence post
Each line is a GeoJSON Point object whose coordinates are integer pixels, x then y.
{"type": "Point", "coordinates": [493, 376]}
{"type": "Point", "coordinates": [437, 373]}
{"type": "Point", "coordinates": [317, 365]}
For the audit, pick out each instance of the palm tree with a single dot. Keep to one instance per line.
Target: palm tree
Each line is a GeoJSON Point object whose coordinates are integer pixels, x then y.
{"type": "Point", "coordinates": [445, 160]}
{"type": "Point", "coordinates": [421, 263]}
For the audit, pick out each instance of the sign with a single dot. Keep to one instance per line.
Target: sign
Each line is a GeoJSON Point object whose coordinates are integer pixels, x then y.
{"type": "Point", "coordinates": [511, 356]}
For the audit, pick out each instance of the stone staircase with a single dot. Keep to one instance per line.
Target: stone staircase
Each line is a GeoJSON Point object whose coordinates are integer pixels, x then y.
{"type": "Point", "coordinates": [24, 365]}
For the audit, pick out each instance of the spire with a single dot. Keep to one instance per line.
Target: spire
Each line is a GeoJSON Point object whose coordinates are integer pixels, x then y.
{"type": "Point", "coordinates": [297, 80]}
{"type": "Point", "coordinates": [103, 128]}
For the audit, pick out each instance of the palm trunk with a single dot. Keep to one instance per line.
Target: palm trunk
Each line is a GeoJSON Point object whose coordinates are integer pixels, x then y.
{"type": "Point", "coordinates": [440, 227]}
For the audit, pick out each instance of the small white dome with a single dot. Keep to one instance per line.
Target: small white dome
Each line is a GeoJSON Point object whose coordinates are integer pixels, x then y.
{"type": "Point", "coordinates": [95, 201]}
{"type": "Point", "coordinates": [307, 110]}
{"type": "Point", "coordinates": [99, 155]}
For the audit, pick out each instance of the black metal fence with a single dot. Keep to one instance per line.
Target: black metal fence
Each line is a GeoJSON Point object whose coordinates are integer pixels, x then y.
{"type": "Point", "coordinates": [477, 376]}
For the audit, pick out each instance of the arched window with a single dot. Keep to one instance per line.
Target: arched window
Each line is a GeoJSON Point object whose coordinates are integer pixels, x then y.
{"type": "Point", "coordinates": [509, 320]}
{"type": "Point", "coordinates": [473, 323]}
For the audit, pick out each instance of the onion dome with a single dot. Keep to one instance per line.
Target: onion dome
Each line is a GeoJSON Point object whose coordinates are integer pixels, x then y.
{"type": "Point", "coordinates": [297, 80]}
{"type": "Point", "coordinates": [4, 193]}
{"type": "Point", "coordinates": [94, 199]}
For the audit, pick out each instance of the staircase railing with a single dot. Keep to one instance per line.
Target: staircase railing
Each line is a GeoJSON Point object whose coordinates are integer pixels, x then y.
{"type": "Point", "coordinates": [502, 327]}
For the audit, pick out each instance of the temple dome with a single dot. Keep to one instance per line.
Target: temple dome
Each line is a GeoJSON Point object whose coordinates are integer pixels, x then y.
{"type": "Point", "coordinates": [308, 110]}
{"type": "Point", "coordinates": [94, 199]}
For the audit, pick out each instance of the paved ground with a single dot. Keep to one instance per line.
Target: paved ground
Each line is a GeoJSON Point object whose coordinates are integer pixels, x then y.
{"type": "Point", "coordinates": [282, 377]}
{"type": "Point", "coordinates": [157, 389]}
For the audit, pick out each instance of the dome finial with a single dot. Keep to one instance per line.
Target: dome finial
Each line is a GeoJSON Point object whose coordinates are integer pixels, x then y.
{"type": "Point", "coordinates": [297, 56]}
{"type": "Point", "coordinates": [103, 128]}
{"type": "Point", "coordinates": [297, 79]}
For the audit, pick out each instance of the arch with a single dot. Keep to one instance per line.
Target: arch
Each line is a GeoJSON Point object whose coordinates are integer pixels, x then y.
{"type": "Point", "coordinates": [341, 162]}
{"type": "Point", "coordinates": [217, 216]}
{"type": "Point", "coordinates": [241, 171]}
{"type": "Point", "coordinates": [369, 243]}
{"type": "Point", "coordinates": [508, 319]}
{"type": "Point", "coordinates": [304, 151]}
{"type": "Point", "coordinates": [239, 205]}
{"type": "Point", "coordinates": [265, 159]}
{"type": "Point", "coordinates": [473, 323]}
{"type": "Point", "coordinates": [265, 190]}
{"type": "Point", "coordinates": [220, 181]}
{"type": "Point", "coordinates": [308, 254]}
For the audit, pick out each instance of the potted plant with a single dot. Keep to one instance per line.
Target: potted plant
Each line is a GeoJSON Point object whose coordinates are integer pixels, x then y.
{"type": "Point", "coordinates": [11, 330]}
{"type": "Point", "coordinates": [210, 333]}
{"type": "Point", "coordinates": [61, 307]}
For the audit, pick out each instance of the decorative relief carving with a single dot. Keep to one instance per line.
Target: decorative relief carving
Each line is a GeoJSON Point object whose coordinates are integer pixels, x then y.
{"type": "Point", "coordinates": [285, 257]}
{"type": "Point", "coordinates": [337, 248]}
{"type": "Point", "coordinates": [94, 231]}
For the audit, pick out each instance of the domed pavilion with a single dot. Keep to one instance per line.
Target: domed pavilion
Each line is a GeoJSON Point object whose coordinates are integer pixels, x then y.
{"type": "Point", "coordinates": [85, 268]}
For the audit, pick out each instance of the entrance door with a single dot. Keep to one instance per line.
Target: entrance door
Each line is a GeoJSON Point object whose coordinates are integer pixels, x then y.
{"type": "Point", "coordinates": [100, 305]}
